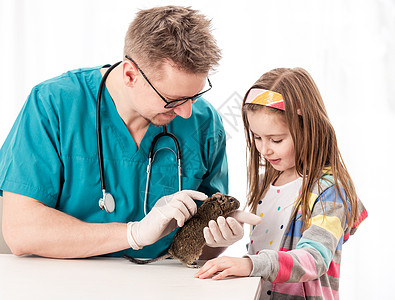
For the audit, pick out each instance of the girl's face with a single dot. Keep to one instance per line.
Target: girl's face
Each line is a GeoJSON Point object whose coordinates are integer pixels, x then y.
{"type": "Point", "coordinates": [273, 140]}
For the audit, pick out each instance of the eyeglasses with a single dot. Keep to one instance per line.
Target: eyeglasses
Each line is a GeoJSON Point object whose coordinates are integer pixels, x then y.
{"type": "Point", "coordinates": [175, 103]}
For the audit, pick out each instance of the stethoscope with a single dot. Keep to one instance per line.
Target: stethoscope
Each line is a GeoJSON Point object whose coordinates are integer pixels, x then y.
{"type": "Point", "coordinates": [107, 202]}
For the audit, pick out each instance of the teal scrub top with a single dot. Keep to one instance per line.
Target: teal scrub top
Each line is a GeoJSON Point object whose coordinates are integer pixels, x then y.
{"type": "Point", "coordinates": [51, 155]}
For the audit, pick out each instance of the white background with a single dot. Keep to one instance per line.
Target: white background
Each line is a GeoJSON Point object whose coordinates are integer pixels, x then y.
{"type": "Point", "coordinates": [347, 46]}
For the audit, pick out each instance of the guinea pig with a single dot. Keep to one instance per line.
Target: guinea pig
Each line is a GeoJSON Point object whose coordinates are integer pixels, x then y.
{"type": "Point", "coordinates": [189, 240]}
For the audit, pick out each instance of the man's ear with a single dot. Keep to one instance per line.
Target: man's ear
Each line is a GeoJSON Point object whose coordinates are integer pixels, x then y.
{"type": "Point", "coordinates": [129, 73]}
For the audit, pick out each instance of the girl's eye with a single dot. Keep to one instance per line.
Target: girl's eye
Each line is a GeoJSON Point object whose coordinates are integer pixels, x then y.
{"type": "Point", "coordinates": [257, 137]}
{"type": "Point", "coordinates": [277, 141]}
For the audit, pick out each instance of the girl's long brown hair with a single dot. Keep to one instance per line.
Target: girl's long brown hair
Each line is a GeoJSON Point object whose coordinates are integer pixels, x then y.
{"type": "Point", "coordinates": [313, 136]}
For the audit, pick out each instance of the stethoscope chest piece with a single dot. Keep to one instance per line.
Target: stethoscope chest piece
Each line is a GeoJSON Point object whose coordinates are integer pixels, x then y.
{"type": "Point", "coordinates": [107, 202]}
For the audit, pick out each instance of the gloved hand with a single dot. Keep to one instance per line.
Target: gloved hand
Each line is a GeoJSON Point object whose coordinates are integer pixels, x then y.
{"type": "Point", "coordinates": [168, 213]}
{"type": "Point", "coordinates": [225, 232]}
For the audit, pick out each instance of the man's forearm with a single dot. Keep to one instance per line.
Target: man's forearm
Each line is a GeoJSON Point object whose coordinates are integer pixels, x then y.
{"type": "Point", "coordinates": [30, 227]}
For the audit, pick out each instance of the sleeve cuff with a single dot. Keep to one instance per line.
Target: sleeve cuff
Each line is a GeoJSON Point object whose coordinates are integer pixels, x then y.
{"type": "Point", "coordinates": [261, 265]}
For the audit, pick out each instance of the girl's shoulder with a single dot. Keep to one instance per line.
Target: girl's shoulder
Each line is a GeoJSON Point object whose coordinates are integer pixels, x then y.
{"type": "Point", "coordinates": [324, 182]}
{"type": "Point", "coordinates": [323, 188]}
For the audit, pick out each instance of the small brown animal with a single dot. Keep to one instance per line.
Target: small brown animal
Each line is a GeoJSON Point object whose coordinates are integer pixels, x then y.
{"type": "Point", "coordinates": [189, 240]}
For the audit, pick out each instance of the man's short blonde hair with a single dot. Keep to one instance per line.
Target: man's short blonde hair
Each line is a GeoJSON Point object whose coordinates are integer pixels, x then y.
{"type": "Point", "coordinates": [175, 33]}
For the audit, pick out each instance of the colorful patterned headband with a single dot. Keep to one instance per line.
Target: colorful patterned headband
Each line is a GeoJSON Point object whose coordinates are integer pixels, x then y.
{"type": "Point", "coordinates": [267, 98]}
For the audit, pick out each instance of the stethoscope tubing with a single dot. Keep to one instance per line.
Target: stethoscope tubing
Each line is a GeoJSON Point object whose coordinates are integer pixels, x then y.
{"type": "Point", "coordinates": [151, 157]}
{"type": "Point", "coordinates": [98, 126]}
{"type": "Point", "coordinates": [110, 207]}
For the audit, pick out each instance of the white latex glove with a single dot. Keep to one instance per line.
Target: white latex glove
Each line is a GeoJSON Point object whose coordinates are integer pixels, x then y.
{"type": "Point", "coordinates": [168, 213]}
{"type": "Point", "coordinates": [226, 232]}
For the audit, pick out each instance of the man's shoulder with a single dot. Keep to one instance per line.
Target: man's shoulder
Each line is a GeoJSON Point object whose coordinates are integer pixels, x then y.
{"type": "Point", "coordinates": [205, 122]}
{"type": "Point", "coordinates": [70, 78]}
{"type": "Point", "coordinates": [203, 109]}
{"type": "Point", "coordinates": [67, 93]}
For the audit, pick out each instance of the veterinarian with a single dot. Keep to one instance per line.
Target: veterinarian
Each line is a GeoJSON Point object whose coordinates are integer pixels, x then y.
{"type": "Point", "coordinates": [73, 169]}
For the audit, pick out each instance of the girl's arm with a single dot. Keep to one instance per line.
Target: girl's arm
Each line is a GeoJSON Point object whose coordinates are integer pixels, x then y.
{"type": "Point", "coordinates": [317, 250]}
{"type": "Point", "coordinates": [313, 253]}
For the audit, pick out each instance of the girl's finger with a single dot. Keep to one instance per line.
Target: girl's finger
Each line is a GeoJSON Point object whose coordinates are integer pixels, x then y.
{"type": "Point", "coordinates": [208, 273]}
{"type": "Point", "coordinates": [225, 273]}
{"type": "Point", "coordinates": [205, 267]}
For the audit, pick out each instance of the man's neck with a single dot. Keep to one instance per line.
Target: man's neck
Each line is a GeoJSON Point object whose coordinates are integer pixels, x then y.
{"type": "Point", "coordinates": [134, 122]}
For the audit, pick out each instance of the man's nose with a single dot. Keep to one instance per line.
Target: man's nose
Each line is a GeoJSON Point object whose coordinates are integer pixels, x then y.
{"type": "Point", "coordinates": [184, 110]}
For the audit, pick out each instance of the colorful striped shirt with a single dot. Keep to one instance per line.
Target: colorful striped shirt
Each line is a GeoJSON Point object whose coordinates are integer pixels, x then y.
{"type": "Point", "coordinates": [307, 265]}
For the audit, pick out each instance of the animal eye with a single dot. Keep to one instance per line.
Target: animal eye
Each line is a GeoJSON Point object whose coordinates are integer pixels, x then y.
{"type": "Point", "coordinates": [231, 200]}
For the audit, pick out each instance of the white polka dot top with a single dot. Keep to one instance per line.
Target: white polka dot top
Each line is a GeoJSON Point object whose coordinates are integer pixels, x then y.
{"type": "Point", "coordinates": [275, 210]}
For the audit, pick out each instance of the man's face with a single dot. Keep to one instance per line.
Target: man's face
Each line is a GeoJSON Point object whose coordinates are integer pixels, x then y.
{"type": "Point", "coordinates": [172, 84]}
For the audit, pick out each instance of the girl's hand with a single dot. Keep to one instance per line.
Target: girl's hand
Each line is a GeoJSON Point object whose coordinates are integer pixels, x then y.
{"type": "Point", "coordinates": [225, 266]}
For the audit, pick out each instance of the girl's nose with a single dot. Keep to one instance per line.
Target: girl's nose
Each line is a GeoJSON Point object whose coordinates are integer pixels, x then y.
{"type": "Point", "coordinates": [264, 149]}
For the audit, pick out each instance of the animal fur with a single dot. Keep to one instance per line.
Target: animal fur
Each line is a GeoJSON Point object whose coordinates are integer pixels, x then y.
{"type": "Point", "coordinates": [189, 240]}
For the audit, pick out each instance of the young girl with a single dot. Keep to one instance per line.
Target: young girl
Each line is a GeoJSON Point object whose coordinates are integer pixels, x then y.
{"type": "Point", "coordinates": [305, 197]}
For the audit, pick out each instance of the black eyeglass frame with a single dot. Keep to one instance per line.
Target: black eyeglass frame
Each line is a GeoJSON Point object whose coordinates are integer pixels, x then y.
{"type": "Point", "coordinates": [174, 103]}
